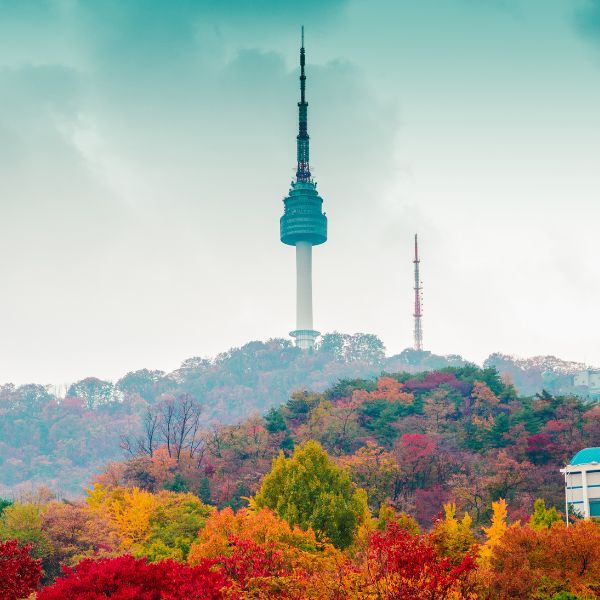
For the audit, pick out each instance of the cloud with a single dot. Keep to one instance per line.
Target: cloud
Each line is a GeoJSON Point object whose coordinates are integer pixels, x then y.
{"type": "Point", "coordinates": [587, 20]}
{"type": "Point", "coordinates": [148, 159]}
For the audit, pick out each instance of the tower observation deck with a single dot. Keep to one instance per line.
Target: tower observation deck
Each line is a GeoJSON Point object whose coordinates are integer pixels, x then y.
{"type": "Point", "coordinates": [303, 223]}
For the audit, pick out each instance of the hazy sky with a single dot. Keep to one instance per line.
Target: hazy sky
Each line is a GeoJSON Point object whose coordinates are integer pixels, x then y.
{"type": "Point", "coordinates": [146, 146]}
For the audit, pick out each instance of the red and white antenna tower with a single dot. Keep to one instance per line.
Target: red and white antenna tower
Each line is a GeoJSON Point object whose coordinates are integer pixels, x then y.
{"type": "Point", "coordinates": [418, 300]}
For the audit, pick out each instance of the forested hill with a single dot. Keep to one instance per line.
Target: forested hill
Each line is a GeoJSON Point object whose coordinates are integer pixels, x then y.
{"type": "Point", "coordinates": [61, 441]}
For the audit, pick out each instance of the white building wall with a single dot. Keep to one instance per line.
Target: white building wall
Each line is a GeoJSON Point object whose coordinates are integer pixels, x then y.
{"type": "Point", "coordinates": [582, 487]}
{"type": "Point", "coordinates": [589, 379]}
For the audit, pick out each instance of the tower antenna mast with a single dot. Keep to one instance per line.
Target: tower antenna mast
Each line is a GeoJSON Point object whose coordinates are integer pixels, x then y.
{"type": "Point", "coordinates": [418, 300]}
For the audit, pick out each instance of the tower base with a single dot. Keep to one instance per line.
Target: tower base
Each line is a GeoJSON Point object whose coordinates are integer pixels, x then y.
{"type": "Point", "coordinates": [305, 338]}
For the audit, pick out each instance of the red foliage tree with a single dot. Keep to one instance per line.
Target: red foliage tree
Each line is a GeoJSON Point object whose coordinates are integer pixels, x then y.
{"type": "Point", "coordinates": [250, 560]}
{"type": "Point", "coordinates": [128, 578]}
{"type": "Point", "coordinates": [406, 566]}
{"type": "Point", "coordinates": [19, 572]}
{"type": "Point", "coordinates": [433, 380]}
{"type": "Point", "coordinates": [540, 448]}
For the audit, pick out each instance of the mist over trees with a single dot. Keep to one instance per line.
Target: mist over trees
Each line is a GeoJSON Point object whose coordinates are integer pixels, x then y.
{"type": "Point", "coordinates": [60, 441]}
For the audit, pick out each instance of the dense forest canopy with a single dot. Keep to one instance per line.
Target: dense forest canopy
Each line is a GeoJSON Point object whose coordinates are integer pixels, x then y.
{"type": "Point", "coordinates": [267, 472]}
{"type": "Point", "coordinates": [59, 441]}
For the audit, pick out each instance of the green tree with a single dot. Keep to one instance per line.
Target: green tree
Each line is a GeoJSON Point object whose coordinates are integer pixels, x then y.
{"type": "Point", "coordinates": [274, 421]}
{"type": "Point", "coordinates": [174, 525]}
{"type": "Point", "coordinates": [179, 484]}
{"type": "Point", "coordinates": [310, 491]}
{"type": "Point", "coordinates": [4, 504]}
{"type": "Point", "coordinates": [23, 522]}
{"type": "Point", "coordinates": [204, 490]}
{"type": "Point", "coordinates": [542, 516]}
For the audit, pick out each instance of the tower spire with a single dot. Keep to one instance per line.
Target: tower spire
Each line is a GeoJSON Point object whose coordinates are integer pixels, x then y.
{"type": "Point", "coordinates": [418, 291]}
{"type": "Point", "coordinates": [302, 140]}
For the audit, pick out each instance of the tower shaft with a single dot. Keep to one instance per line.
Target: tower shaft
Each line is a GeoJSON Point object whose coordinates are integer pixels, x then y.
{"type": "Point", "coordinates": [418, 342]}
{"type": "Point", "coordinates": [304, 334]}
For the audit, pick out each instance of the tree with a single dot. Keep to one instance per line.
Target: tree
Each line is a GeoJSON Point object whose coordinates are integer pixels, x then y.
{"type": "Point", "coordinates": [19, 572]}
{"type": "Point", "coordinates": [144, 383]}
{"type": "Point", "coordinates": [4, 504]}
{"type": "Point", "coordinates": [374, 469]}
{"type": "Point", "coordinates": [174, 423]}
{"type": "Point", "coordinates": [266, 557]}
{"type": "Point", "coordinates": [131, 512]}
{"type": "Point", "coordinates": [542, 516]}
{"type": "Point", "coordinates": [174, 524]}
{"type": "Point", "coordinates": [364, 347]}
{"type": "Point", "coordinates": [261, 526]}
{"type": "Point", "coordinates": [451, 537]}
{"type": "Point", "coordinates": [31, 398]}
{"type": "Point", "coordinates": [94, 391]}
{"type": "Point", "coordinates": [73, 532]}
{"type": "Point", "coordinates": [543, 562]}
{"type": "Point", "coordinates": [23, 522]}
{"type": "Point", "coordinates": [494, 532]}
{"type": "Point", "coordinates": [309, 490]}
{"type": "Point", "coordinates": [399, 565]}
{"type": "Point", "coordinates": [402, 520]}
{"type": "Point", "coordinates": [128, 578]}
{"type": "Point", "coordinates": [156, 526]}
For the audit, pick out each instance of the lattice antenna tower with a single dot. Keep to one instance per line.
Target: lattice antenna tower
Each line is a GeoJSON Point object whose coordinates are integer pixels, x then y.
{"type": "Point", "coordinates": [418, 314]}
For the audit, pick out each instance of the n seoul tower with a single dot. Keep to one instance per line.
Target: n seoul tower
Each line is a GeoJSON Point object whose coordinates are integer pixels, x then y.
{"type": "Point", "coordinates": [303, 223]}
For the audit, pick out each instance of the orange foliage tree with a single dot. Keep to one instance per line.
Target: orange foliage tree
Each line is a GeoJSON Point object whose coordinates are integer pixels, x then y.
{"type": "Point", "coordinates": [266, 557]}
{"type": "Point", "coordinates": [528, 562]}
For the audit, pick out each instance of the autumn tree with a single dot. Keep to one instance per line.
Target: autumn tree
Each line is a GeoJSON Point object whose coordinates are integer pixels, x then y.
{"type": "Point", "coordinates": [398, 565]}
{"type": "Point", "coordinates": [23, 523]}
{"type": "Point", "coordinates": [542, 516]}
{"type": "Point", "coordinates": [19, 572]}
{"type": "Point", "coordinates": [174, 524]}
{"type": "Point", "coordinates": [494, 532]}
{"type": "Point", "coordinates": [452, 537]}
{"type": "Point", "coordinates": [374, 469]}
{"type": "Point", "coordinates": [401, 520]}
{"type": "Point", "coordinates": [128, 578]}
{"type": "Point", "coordinates": [543, 562]}
{"type": "Point", "coordinates": [309, 490]}
{"type": "Point", "coordinates": [156, 526]}
{"type": "Point", "coordinates": [265, 555]}
{"type": "Point", "coordinates": [73, 532]}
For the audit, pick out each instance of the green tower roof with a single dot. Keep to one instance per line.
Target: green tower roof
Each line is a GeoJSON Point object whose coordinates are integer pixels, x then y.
{"type": "Point", "coordinates": [586, 456]}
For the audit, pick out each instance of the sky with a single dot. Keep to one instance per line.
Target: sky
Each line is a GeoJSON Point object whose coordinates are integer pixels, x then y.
{"type": "Point", "coordinates": [146, 147]}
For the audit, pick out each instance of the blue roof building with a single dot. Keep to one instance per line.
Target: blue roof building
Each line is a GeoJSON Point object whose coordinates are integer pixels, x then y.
{"type": "Point", "coordinates": [582, 483]}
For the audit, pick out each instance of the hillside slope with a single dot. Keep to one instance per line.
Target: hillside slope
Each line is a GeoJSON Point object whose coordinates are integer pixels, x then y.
{"type": "Point", "coordinates": [61, 441]}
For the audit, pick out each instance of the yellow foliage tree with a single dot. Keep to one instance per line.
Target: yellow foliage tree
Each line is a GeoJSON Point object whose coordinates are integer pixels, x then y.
{"type": "Point", "coordinates": [157, 526]}
{"type": "Point", "coordinates": [131, 512]}
{"type": "Point", "coordinates": [97, 497]}
{"type": "Point", "coordinates": [494, 532]}
{"type": "Point", "coordinates": [452, 537]}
